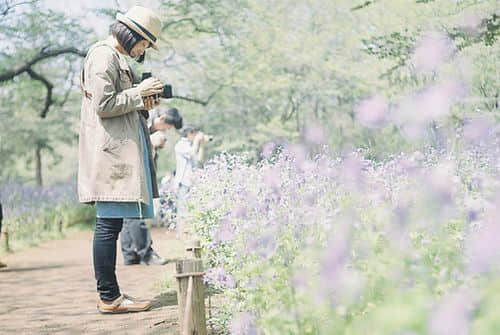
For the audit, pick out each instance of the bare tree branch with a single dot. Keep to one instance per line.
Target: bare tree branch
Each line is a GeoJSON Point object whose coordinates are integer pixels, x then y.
{"type": "Point", "coordinates": [8, 7]}
{"type": "Point", "coordinates": [42, 55]}
{"type": "Point", "coordinates": [363, 5]}
{"type": "Point", "coordinates": [193, 23]}
{"type": "Point", "coordinates": [48, 85]}
{"type": "Point", "coordinates": [199, 101]}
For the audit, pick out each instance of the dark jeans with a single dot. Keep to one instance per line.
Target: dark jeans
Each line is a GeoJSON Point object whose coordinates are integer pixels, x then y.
{"type": "Point", "coordinates": [105, 236]}
{"type": "Point", "coordinates": [136, 241]}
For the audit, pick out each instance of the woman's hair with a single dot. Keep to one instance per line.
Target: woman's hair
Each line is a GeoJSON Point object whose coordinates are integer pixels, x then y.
{"type": "Point", "coordinates": [126, 37]}
{"type": "Point", "coordinates": [189, 130]}
{"type": "Point", "coordinates": [173, 117]}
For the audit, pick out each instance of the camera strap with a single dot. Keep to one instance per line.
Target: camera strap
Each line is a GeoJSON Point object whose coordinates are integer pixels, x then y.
{"type": "Point", "coordinates": [86, 93]}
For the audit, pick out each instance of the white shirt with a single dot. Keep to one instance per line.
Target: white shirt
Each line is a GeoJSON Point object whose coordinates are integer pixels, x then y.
{"type": "Point", "coordinates": [185, 162]}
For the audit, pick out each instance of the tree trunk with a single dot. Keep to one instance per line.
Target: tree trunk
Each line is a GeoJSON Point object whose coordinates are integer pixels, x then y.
{"type": "Point", "coordinates": [38, 163]}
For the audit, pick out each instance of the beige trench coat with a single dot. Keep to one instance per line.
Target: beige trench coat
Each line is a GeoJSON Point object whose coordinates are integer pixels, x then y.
{"type": "Point", "coordinates": [110, 166]}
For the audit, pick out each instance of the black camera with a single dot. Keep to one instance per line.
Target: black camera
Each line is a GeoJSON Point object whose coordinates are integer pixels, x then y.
{"type": "Point", "coordinates": [167, 89]}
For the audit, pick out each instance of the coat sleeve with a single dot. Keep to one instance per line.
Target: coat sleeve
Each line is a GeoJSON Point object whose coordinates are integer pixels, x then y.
{"type": "Point", "coordinates": [107, 101]}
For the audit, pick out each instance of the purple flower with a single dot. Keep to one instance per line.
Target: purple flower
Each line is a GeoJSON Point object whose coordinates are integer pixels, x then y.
{"type": "Point", "coordinates": [372, 112]}
{"type": "Point", "coordinates": [268, 149]}
{"type": "Point", "coordinates": [452, 316]}
{"type": "Point", "coordinates": [239, 212]}
{"type": "Point", "coordinates": [478, 128]}
{"type": "Point", "coordinates": [272, 178]}
{"type": "Point", "coordinates": [244, 324]}
{"type": "Point", "coordinates": [482, 246]}
{"type": "Point", "coordinates": [26, 202]}
{"type": "Point", "coordinates": [335, 258]}
{"type": "Point", "coordinates": [225, 231]}
{"type": "Point", "coordinates": [315, 134]}
{"type": "Point", "coordinates": [351, 171]}
{"type": "Point", "coordinates": [219, 278]}
{"type": "Point", "coordinates": [264, 246]}
{"type": "Point", "coordinates": [299, 280]}
{"type": "Point", "coordinates": [432, 50]}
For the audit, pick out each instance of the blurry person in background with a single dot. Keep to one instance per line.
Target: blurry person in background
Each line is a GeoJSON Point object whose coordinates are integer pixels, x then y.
{"type": "Point", "coordinates": [158, 141]}
{"type": "Point", "coordinates": [189, 154]}
{"type": "Point", "coordinates": [2, 265]}
{"type": "Point", "coordinates": [161, 121]}
{"type": "Point", "coordinates": [135, 238]}
{"type": "Point", "coordinates": [115, 167]}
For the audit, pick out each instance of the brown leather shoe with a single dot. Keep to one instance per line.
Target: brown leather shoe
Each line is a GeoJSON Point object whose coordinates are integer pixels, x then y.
{"type": "Point", "coordinates": [3, 265]}
{"type": "Point", "coordinates": [123, 304]}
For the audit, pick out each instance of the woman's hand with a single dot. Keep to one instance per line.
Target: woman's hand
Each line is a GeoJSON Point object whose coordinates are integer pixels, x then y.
{"type": "Point", "coordinates": [150, 86]}
{"type": "Point", "coordinates": [150, 102]}
{"type": "Point", "coordinates": [199, 138]}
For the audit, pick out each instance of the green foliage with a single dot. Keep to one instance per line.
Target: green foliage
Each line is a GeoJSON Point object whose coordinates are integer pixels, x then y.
{"type": "Point", "coordinates": [260, 71]}
{"type": "Point", "coordinates": [396, 46]}
{"type": "Point", "coordinates": [49, 224]}
{"type": "Point", "coordinates": [286, 288]}
{"type": "Point", "coordinates": [487, 33]}
{"type": "Point", "coordinates": [289, 61]}
{"type": "Point", "coordinates": [29, 31]}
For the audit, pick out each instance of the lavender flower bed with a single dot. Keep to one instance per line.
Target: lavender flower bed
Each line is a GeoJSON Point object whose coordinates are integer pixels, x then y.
{"type": "Point", "coordinates": [343, 245]}
{"type": "Point", "coordinates": [30, 212]}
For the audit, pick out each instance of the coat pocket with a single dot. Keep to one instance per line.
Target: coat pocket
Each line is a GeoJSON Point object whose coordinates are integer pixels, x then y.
{"type": "Point", "coordinates": [114, 146]}
{"type": "Point", "coordinates": [121, 171]}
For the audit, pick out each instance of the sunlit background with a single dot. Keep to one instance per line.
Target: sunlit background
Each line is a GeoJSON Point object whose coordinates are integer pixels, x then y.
{"type": "Point", "coordinates": [353, 183]}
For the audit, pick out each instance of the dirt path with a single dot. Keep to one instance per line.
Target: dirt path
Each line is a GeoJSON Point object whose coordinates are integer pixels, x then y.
{"type": "Point", "coordinates": [50, 289]}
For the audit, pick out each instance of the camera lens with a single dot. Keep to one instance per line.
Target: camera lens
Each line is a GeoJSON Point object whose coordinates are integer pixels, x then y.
{"type": "Point", "coordinates": [167, 92]}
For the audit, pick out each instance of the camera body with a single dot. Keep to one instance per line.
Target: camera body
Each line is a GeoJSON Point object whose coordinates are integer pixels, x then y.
{"type": "Point", "coordinates": [167, 89]}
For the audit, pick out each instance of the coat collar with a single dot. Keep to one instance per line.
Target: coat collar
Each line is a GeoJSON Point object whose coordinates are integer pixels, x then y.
{"type": "Point", "coordinates": [121, 58]}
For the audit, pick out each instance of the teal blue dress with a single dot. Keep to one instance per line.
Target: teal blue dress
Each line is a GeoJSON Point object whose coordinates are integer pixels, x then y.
{"type": "Point", "coordinates": [131, 210]}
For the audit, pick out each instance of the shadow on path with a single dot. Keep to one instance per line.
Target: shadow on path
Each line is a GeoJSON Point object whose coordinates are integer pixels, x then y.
{"type": "Point", "coordinates": [33, 268]}
{"type": "Point", "coordinates": [165, 299]}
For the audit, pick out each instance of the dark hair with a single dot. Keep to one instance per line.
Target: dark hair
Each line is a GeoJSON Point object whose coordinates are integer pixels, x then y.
{"type": "Point", "coordinates": [126, 37]}
{"type": "Point", "coordinates": [189, 130]}
{"type": "Point", "coordinates": [173, 117]}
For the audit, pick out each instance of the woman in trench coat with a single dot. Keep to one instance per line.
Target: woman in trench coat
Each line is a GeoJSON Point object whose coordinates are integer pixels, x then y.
{"type": "Point", "coordinates": [115, 170]}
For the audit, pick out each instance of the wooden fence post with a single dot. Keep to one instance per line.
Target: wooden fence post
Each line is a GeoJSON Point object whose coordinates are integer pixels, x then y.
{"type": "Point", "coordinates": [191, 297]}
{"type": "Point", "coordinates": [194, 248]}
{"type": "Point", "coordinates": [6, 245]}
{"type": "Point", "coordinates": [60, 226]}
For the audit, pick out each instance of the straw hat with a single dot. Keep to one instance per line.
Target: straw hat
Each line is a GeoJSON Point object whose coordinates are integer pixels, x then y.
{"type": "Point", "coordinates": [143, 21]}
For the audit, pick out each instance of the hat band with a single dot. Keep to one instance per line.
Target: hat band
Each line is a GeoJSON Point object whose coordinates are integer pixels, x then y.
{"type": "Point", "coordinates": [144, 30]}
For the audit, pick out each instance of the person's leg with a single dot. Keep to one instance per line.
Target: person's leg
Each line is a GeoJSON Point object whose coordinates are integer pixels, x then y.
{"type": "Point", "coordinates": [104, 250]}
{"type": "Point", "coordinates": [129, 253]}
{"type": "Point", "coordinates": [141, 241]}
{"type": "Point", "coordinates": [111, 300]}
{"type": "Point", "coordinates": [2, 265]}
{"type": "Point", "coordinates": [140, 237]}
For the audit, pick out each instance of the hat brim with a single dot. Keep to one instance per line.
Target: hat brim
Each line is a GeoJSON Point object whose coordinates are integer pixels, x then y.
{"type": "Point", "coordinates": [126, 21]}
